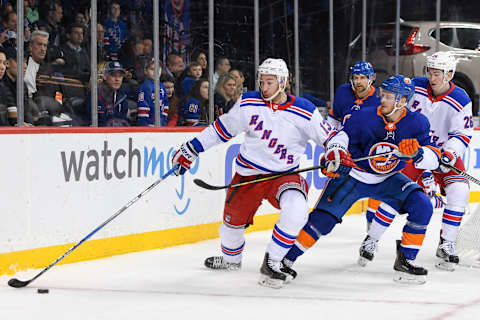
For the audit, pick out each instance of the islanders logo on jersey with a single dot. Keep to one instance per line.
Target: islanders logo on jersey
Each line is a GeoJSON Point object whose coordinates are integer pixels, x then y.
{"type": "Point", "coordinates": [383, 164]}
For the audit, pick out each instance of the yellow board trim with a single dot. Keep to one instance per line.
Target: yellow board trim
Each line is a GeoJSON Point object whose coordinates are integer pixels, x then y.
{"type": "Point", "coordinates": [12, 262]}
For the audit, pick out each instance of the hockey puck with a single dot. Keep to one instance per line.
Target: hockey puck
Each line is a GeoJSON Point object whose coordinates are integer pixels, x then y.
{"type": "Point", "coordinates": [42, 290]}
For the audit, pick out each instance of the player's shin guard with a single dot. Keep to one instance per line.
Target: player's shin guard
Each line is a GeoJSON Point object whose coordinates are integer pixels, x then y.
{"type": "Point", "coordinates": [232, 244]}
{"type": "Point", "coordinates": [372, 207]}
{"type": "Point", "coordinates": [293, 215]}
{"type": "Point", "coordinates": [457, 201]}
{"type": "Point", "coordinates": [384, 216]}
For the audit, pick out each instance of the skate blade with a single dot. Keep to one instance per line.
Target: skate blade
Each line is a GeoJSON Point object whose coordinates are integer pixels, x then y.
{"type": "Point", "coordinates": [266, 281]}
{"type": "Point", "coordinates": [403, 277]}
{"type": "Point", "coordinates": [362, 261]}
{"type": "Point", "coordinates": [444, 265]}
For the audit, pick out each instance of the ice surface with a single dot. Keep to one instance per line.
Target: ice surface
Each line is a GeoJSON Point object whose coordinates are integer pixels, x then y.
{"type": "Point", "coordinates": [173, 284]}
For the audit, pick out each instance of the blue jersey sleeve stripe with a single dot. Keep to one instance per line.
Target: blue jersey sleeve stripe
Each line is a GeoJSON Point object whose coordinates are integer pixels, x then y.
{"type": "Point", "coordinates": [197, 145]}
{"type": "Point", "coordinates": [298, 114]}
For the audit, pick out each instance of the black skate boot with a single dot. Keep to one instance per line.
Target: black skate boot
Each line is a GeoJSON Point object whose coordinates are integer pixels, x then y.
{"type": "Point", "coordinates": [271, 275]}
{"type": "Point", "coordinates": [446, 252]}
{"type": "Point", "coordinates": [218, 263]}
{"type": "Point", "coordinates": [287, 269]}
{"type": "Point", "coordinates": [367, 250]}
{"type": "Point", "coordinates": [406, 271]}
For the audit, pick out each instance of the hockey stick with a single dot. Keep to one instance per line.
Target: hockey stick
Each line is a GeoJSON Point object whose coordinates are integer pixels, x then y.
{"type": "Point", "coordinates": [14, 282]}
{"type": "Point", "coordinates": [462, 173]}
{"type": "Point", "coordinates": [203, 184]}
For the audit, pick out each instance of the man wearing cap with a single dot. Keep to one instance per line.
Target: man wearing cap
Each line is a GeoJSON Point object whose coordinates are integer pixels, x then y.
{"type": "Point", "coordinates": [112, 100]}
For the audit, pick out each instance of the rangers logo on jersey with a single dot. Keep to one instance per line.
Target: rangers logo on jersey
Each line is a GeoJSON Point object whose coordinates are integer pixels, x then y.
{"type": "Point", "coordinates": [383, 164]}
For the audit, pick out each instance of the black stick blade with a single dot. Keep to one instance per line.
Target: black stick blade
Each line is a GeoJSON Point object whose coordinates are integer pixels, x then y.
{"type": "Point", "coordinates": [203, 184]}
{"type": "Point", "coordinates": [17, 283]}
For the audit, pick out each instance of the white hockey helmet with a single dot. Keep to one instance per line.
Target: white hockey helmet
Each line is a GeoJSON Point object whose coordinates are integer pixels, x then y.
{"type": "Point", "coordinates": [443, 61]}
{"type": "Point", "coordinates": [275, 67]}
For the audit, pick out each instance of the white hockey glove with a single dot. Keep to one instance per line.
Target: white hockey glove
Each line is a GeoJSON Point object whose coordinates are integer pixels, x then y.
{"type": "Point", "coordinates": [428, 182]}
{"type": "Point", "coordinates": [449, 157]}
{"type": "Point", "coordinates": [184, 157]}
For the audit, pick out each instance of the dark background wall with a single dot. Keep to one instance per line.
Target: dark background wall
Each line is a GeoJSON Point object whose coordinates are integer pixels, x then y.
{"type": "Point", "coordinates": [234, 31]}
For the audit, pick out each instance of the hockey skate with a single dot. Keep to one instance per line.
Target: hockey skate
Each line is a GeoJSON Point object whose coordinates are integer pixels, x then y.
{"type": "Point", "coordinates": [271, 275]}
{"type": "Point", "coordinates": [446, 252]}
{"type": "Point", "coordinates": [406, 271]}
{"type": "Point", "coordinates": [287, 269]}
{"type": "Point", "coordinates": [218, 263]}
{"type": "Point", "coordinates": [367, 251]}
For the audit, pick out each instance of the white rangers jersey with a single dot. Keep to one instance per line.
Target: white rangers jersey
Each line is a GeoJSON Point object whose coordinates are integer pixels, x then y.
{"type": "Point", "coordinates": [275, 136]}
{"type": "Point", "coordinates": [450, 115]}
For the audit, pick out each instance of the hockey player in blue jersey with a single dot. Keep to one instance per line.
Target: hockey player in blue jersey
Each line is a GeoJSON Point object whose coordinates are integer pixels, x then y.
{"type": "Point", "coordinates": [356, 95]}
{"type": "Point", "coordinates": [146, 99]}
{"type": "Point", "coordinates": [449, 111]}
{"type": "Point", "coordinates": [370, 131]}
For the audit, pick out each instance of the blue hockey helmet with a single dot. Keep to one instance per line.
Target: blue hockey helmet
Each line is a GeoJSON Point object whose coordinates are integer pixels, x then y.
{"type": "Point", "coordinates": [363, 67]}
{"type": "Point", "coordinates": [400, 85]}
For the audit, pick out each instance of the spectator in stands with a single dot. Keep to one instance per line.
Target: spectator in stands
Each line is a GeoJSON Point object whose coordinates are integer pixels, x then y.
{"type": "Point", "coordinates": [102, 52]}
{"type": "Point", "coordinates": [3, 36]}
{"type": "Point", "coordinates": [8, 91]}
{"type": "Point", "coordinates": [193, 109]}
{"type": "Point", "coordinates": [224, 97]}
{"type": "Point", "coordinates": [169, 84]}
{"type": "Point", "coordinates": [112, 100]}
{"type": "Point", "coordinates": [201, 58]}
{"type": "Point", "coordinates": [146, 98]}
{"type": "Point", "coordinates": [116, 31]}
{"type": "Point", "coordinates": [3, 64]}
{"type": "Point", "coordinates": [9, 22]}
{"type": "Point", "coordinates": [32, 12]}
{"type": "Point", "coordinates": [193, 72]}
{"type": "Point", "coordinates": [175, 65]}
{"type": "Point", "coordinates": [221, 67]}
{"type": "Point", "coordinates": [80, 19]}
{"type": "Point", "coordinates": [3, 107]}
{"type": "Point", "coordinates": [38, 51]}
{"type": "Point", "coordinates": [77, 59]}
{"type": "Point", "coordinates": [240, 80]}
{"type": "Point", "coordinates": [54, 14]}
{"type": "Point", "coordinates": [148, 48]}
{"type": "Point", "coordinates": [132, 58]}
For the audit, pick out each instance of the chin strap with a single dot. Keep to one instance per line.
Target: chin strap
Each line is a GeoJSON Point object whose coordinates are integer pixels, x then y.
{"type": "Point", "coordinates": [395, 109]}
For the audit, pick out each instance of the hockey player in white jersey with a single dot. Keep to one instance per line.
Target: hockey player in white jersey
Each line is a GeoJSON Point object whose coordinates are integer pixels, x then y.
{"type": "Point", "coordinates": [449, 111]}
{"type": "Point", "coordinates": [277, 127]}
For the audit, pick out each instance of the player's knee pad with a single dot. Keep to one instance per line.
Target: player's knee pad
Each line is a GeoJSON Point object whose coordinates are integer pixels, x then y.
{"type": "Point", "coordinates": [320, 223]}
{"type": "Point", "coordinates": [293, 211]}
{"type": "Point", "coordinates": [231, 237]}
{"type": "Point", "coordinates": [419, 208]}
{"type": "Point", "coordinates": [457, 195]}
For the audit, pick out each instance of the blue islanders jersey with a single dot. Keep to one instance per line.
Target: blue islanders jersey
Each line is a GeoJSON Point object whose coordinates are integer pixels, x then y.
{"type": "Point", "coordinates": [346, 101]}
{"type": "Point", "coordinates": [369, 133]}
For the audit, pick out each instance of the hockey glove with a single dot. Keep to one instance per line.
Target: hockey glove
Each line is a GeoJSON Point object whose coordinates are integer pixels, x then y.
{"type": "Point", "coordinates": [449, 158]}
{"type": "Point", "coordinates": [428, 182]}
{"type": "Point", "coordinates": [409, 149]}
{"type": "Point", "coordinates": [184, 157]}
{"type": "Point", "coordinates": [336, 161]}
